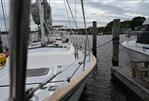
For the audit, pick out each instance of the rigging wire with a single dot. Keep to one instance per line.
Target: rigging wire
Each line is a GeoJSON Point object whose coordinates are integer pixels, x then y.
{"type": "Point", "coordinates": [4, 3]}
{"type": "Point", "coordinates": [4, 17]}
{"type": "Point", "coordinates": [86, 40]}
{"type": "Point", "coordinates": [76, 10]}
{"type": "Point", "coordinates": [77, 43]}
{"type": "Point", "coordinates": [72, 14]}
{"type": "Point", "coordinates": [67, 14]}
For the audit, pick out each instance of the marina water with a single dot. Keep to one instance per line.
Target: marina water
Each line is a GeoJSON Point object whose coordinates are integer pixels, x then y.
{"type": "Point", "coordinates": [99, 86]}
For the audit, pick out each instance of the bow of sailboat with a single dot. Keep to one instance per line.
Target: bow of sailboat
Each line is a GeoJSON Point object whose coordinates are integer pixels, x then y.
{"type": "Point", "coordinates": [49, 68]}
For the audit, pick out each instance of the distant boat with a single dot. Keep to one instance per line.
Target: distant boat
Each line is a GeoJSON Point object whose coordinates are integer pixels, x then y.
{"type": "Point", "coordinates": [138, 48]}
{"type": "Point", "coordinates": [100, 33]}
{"type": "Point", "coordinates": [56, 69]}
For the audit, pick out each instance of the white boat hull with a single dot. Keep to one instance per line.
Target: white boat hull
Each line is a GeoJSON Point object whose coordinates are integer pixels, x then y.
{"type": "Point", "coordinates": [73, 90]}
{"type": "Point", "coordinates": [136, 51]}
{"type": "Point", "coordinates": [132, 54]}
{"type": "Point", "coordinates": [76, 93]}
{"type": "Point", "coordinates": [68, 85]}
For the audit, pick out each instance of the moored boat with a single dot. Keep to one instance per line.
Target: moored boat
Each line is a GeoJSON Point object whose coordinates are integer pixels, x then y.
{"type": "Point", "coordinates": [138, 48]}
{"type": "Point", "coordinates": [55, 70]}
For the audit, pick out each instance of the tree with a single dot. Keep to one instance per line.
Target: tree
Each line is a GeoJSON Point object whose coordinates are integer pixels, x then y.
{"type": "Point", "coordinates": [125, 24]}
{"type": "Point", "coordinates": [108, 27]}
{"type": "Point", "coordinates": [137, 22]}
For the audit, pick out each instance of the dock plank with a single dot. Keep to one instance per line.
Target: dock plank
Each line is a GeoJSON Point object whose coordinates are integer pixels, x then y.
{"type": "Point", "coordinates": [140, 61]}
{"type": "Point", "coordinates": [137, 86]}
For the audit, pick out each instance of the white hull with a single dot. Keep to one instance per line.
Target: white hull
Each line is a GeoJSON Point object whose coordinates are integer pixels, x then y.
{"type": "Point", "coordinates": [73, 90]}
{"type": "Point", "coordinates": [132, 54]}
{"type": "Point", "coordinates": [135, 50]}
{"type": "Point", "coordinates": [76, 93]}
{"type": "Point", "coordinates": [45, 62]}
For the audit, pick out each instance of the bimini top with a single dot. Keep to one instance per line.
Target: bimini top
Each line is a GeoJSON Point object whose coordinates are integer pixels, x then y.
{"type": "Point", "coordinates": [146, 22]}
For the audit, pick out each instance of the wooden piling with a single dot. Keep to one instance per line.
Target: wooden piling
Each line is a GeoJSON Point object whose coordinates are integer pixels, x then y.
{"type": "Point", "coordinates": [115, 33]}
{"type": "Point", "coordinates": [94, 38]}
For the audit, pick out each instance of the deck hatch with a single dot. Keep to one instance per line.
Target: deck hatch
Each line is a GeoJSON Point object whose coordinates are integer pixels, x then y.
{"type": "Point", "coordinates": [37, 72]}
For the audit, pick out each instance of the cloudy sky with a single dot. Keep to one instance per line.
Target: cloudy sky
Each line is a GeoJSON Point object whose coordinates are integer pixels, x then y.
{"type": "Point", "coordinates": [102, 11]}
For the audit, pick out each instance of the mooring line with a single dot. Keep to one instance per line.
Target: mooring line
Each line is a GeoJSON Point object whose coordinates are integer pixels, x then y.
{"type": "Point", "coordinates": [104, 44]}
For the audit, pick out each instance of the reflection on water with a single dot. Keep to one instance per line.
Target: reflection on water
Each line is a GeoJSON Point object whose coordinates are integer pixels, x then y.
{"type": "Point", "coordinates": [99, 86]}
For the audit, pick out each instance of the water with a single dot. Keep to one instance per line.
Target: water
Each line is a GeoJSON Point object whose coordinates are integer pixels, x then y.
{"type": "Point", "coordinates": [99, 86]}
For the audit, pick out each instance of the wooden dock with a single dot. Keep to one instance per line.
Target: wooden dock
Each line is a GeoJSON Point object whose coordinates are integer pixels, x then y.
{"type": "Point", "coordinates": [135, 77]}
{"type": "Point", "coordinates": [139, 86]}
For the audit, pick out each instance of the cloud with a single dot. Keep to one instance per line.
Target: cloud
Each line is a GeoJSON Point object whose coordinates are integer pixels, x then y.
{"type": "Point", "coordinates": [126, 9]}
{"type": "Point", "coordinates": [102, 11]}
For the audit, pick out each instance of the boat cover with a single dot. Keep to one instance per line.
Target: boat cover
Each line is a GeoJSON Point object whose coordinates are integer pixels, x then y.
{"type": "Point", "coordinates": [35, 12]}
{"type": "Point", "coordinates": [143, 38]}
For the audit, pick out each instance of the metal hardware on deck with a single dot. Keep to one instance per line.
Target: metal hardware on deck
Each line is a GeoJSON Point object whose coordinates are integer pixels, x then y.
{"type": "Point", "coordinates": [30, 92]}
{"type": "Point", "coordinates": [52, 88]}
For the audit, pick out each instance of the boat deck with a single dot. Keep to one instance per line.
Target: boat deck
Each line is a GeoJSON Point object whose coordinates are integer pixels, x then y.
{"type": "Point", "coordinates": [69, 77]}
{"type": "Point", "coordinates": [47, 49]}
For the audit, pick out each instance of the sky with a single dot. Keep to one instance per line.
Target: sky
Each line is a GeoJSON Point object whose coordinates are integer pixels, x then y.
{"type": "Point", "coordinates": [102, 11]}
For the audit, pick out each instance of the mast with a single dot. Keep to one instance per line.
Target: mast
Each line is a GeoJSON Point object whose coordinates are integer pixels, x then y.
{"type": "Point", "coordinates": [19, 31]}
{"type": "Point", "coordinates": [42, 21]}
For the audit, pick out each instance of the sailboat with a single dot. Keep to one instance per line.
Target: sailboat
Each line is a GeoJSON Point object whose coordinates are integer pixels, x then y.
{"type": "Point", "coordinates": [138, 48]}
{"type": "Point", "coordinates": [44, 70]}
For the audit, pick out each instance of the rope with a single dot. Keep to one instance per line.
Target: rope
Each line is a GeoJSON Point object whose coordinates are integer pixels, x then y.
{"type": "Point", "coordinates": [36, 83]}
{"type": "Point", "coordinates": [104, 44]}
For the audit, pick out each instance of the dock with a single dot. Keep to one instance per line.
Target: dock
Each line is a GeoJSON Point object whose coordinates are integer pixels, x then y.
{"type": "Point", "coordinates": [134, 76]}
{"type": "Point", "coordinates": [137, 85]}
